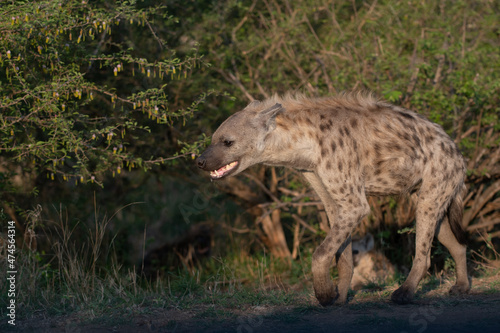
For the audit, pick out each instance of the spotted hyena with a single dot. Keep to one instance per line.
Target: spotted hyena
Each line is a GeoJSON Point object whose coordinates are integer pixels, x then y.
{"type": "Point", "coordinates": [370, 266]}
{"type": "Point", "coordinates": [348, 147]}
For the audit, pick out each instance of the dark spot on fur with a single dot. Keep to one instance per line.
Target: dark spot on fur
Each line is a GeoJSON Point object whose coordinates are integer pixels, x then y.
{"type": "Point", "coordinates": [406, 136]}
{"type": "Point", "coordinates": [328, 165]}
{"type": "Point", "coordinates": [320, 252]}
{"type": "Point", "coordinates": [395, 146]}
{"type": "Point", "coordinates": [405, 115]}
{"type": "Point", "coordinates": [341, 143]}
{"type": "Point", "coordinates": [443, 147]}
{"type": "Point", "coordinates": [416, 139]}
{"type": "Point", "coordinates": [341, 131]}
{"type": "Point", "coordinates": [284, 126]}
{"type": "Point", "coordinates": [354, 123]}
{"type": "Point", "coordinates": [334, 147]}
{"type": "Point", "coordinates": [347, 132]}
{"type": "Point", "coordinates": [340, 166]}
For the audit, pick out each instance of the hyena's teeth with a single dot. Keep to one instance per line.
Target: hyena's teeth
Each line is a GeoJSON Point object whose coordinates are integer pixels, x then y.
{"type": "Point", "coordinates": [222, 171]}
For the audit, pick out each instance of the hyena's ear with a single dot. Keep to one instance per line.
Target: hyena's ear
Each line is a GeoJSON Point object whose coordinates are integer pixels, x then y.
{"type": "Point", "coordinates": [267, 118]}
{"type": "Point", "coordinates": [368, 242]}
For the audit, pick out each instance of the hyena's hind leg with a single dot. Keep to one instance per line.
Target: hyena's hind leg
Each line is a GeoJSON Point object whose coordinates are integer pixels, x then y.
{"type": "Point", "coordinates": [430, 207]}
{"type": "Point", "coordinates": [432, 204]}
{"type": "Point", "coordinates": [457, 250]}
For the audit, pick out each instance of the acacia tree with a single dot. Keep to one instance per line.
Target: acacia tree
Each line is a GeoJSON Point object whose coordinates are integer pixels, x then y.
{"type": "Point", "coordinates": [80, 87]}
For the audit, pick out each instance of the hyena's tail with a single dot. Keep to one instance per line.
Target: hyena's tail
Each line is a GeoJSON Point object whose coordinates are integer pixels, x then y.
{"type": "Point", "coordinates": [455, 216]}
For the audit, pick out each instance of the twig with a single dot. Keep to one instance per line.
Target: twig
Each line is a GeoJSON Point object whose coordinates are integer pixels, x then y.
{"type": "Point", "coordinates": [262, 186]}
{"type": "Point", "coordinates": [301, 221]}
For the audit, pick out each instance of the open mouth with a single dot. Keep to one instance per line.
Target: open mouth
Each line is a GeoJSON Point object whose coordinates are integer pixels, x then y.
{"type": "Point", "coordinates": [224, 171]}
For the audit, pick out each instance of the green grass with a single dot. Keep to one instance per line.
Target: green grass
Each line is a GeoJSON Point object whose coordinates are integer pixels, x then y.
{"type": "Point", "coordinates": [75, 281]}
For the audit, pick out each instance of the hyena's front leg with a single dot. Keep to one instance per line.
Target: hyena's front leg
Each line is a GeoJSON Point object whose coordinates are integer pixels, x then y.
{"type": "Point", "coordinates": [344, 213]}
{"type": "Point", "coordinates": [324, 289]}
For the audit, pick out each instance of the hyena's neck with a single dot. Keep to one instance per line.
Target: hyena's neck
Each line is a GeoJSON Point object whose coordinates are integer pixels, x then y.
{"type": "Point", "coordinates": [291, 144]}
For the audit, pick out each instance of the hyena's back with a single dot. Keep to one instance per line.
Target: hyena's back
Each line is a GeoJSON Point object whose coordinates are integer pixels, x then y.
{"type": "Point", "coordinates": [390, 149]}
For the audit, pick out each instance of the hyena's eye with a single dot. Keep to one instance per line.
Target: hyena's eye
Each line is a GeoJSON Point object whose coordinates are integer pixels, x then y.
{"type": "Point", "coordinates": [228, 143]}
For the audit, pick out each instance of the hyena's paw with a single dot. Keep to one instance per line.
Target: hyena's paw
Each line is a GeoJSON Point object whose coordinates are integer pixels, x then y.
{"type": "Point", "coordinates": [326, 295]}
{"type": "Point", "coordinates": [402, 295]}
{"type": "Point", "coordinates": [460, 289]}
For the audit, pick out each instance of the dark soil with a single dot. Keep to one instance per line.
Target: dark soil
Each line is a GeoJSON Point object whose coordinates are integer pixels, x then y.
{"type": "Point", "coordinates": [432, 311]}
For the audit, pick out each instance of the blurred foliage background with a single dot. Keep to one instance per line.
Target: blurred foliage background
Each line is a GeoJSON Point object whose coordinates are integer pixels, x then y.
{"type": "Point", "coordinates": [104, 105]}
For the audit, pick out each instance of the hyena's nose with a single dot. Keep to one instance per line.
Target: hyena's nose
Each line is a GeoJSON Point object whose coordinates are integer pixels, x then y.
{"type": "Point", "coordinates": [201, 162]}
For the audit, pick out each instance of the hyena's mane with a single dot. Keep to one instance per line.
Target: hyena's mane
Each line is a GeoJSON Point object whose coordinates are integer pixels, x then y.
{"type": "Point", "coordinates": [298, 101]}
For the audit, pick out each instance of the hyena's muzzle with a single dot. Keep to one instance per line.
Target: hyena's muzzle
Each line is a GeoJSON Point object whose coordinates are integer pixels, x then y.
{"type": "Point", "coordinates": [216, 162]}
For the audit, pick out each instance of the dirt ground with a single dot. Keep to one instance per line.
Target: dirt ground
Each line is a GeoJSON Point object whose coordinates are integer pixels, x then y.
{"type": "Point", "coordinates": [432, 311]}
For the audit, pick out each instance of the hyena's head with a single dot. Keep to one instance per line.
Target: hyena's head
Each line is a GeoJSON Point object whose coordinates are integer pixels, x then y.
{"type": "Point", "coordinates": [239, 142]}
{"type": "Point", "coordinates": [361, 247]}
